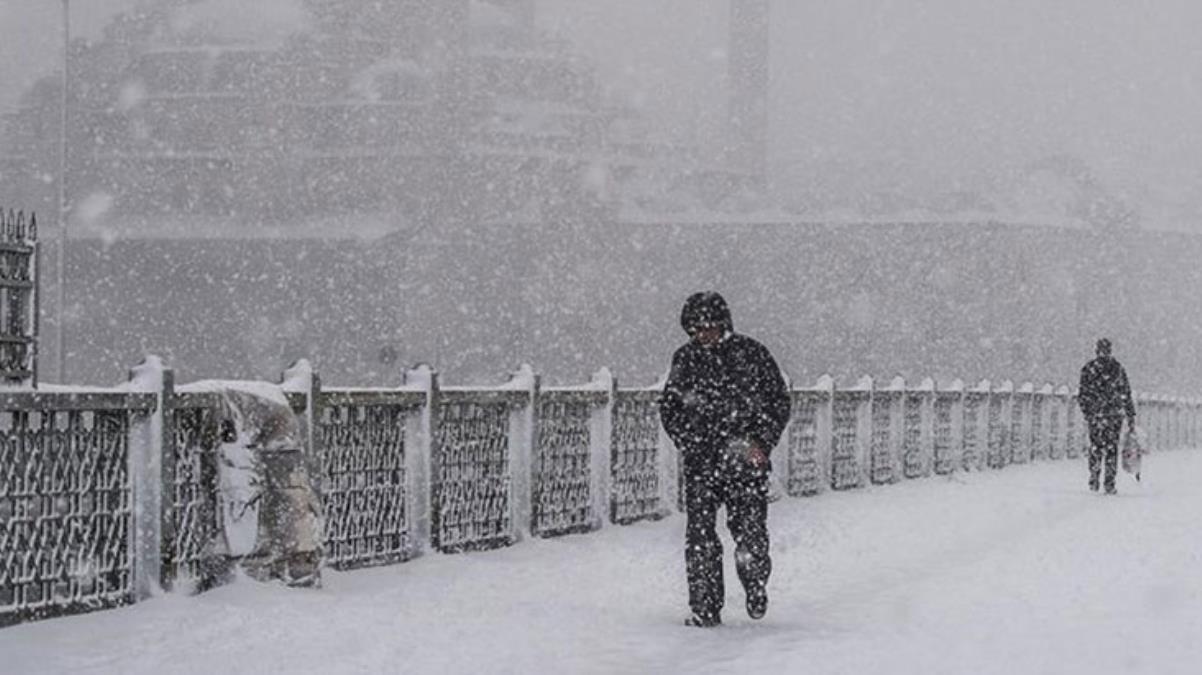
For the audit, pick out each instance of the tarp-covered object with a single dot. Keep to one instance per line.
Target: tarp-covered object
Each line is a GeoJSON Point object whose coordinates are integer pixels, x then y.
{"type": "Point", "coordinates": [271, 520]}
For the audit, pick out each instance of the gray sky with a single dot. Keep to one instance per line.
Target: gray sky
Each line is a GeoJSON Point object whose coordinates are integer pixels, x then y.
{"type": "Point", "coordinates": [922, 95]}
{"type": "Point", "coordinates": [31, 38]}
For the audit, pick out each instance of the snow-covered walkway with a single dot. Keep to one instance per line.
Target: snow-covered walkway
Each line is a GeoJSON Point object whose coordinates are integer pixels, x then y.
{"type": "Point", "coordinates": [1015, 571]}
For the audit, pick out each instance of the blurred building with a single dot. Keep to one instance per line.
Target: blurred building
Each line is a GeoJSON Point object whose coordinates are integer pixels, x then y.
{"type": "Point", "coordinates": [420, 109]}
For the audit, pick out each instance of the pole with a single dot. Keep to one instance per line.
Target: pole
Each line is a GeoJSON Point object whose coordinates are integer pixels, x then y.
{"type": "Point", "coordinates": [61, 252]}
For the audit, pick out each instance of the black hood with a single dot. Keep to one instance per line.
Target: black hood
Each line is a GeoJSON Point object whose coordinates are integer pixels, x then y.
{"type": "Point", "coordinates": [705, 308]}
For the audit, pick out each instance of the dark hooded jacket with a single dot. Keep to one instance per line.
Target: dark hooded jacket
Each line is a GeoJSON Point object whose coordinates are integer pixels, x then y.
{"type": "Point", "coordinates": [731, 390]}
{"type": "Point", "coordinates": [1105, 391]}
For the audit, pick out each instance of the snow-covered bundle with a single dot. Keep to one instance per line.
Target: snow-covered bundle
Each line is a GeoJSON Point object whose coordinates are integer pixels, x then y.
{"type": "Point", "coordinates": [270, 509]}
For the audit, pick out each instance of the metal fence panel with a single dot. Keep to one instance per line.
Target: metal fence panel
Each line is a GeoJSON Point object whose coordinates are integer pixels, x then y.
{"type": "Point", "coordinates": [805, 465]}
{"type": "Point", "coordinates": [364, 480]}
{"type": "Point", "coordinates": [945, 439]}
{"type": "Point", "coordinates": [999, 433]}
{"type": "Point", "coordinates": [975, 444]}
{"type": "Point", "coordinates": [191, 497]}
{"type": "Point", "coordinates": [562, 501]}
{"type": "Point", "coordinates": [472, 480]}
{"type": "Point", "coordinates": [881, 454]}
{"type": "Point", "coordinates": [845, 469]}
{"type": "Point", "coordinates": [66, 506]}
{"type": "Point", "coordinates": [912, 459]}
{"type": "Point", "coordinates": [635, 439]}
{"type": "Point", "coordinates": [1020, 440]}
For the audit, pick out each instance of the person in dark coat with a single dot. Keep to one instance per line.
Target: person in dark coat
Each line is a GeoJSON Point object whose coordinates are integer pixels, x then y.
{"type": "Point", "coordinates": [725, 406]}
{"type": "Point", "coordinates": [1105, 400]}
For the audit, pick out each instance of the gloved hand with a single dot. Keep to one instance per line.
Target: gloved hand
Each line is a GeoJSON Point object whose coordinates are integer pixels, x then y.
{"type": "Point", "coordinates": [756, 456]}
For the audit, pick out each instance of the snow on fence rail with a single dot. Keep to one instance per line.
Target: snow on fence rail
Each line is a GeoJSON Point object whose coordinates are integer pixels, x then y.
{"type": "Point", "coordinates": [106, 494]}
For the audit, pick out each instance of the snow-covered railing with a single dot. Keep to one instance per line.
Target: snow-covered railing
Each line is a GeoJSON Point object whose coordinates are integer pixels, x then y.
{"type": "Point", "coordinates": [104, 493]}
{"type": "Point", "coordinates": [69, 494]}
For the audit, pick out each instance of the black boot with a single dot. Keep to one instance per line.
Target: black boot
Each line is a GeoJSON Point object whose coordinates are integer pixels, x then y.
{"type": "Point", "coordinates": [703, 620]}
{"type": "Point", "coordinates": [757, 600]}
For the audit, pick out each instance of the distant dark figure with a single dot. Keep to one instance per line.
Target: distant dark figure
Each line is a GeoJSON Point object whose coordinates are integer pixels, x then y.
{"type": "Point", "coordinates": [725, 405]}
{"type": "Point", "coordinates": [1105, 399]}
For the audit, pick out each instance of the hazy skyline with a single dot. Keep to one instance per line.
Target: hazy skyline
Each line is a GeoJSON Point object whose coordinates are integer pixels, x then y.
{"type": "Point", "coordinates": [917, 98]}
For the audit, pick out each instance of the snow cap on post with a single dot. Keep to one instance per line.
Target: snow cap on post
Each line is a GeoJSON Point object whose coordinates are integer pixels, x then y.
{"type": "Point", "coordinates": [602, 380]}
{"type": "Point", "coordinates": [298, 376]}
{"type": "Point", "coordinates": [522, 379]}
{"type": "Point", "coordinates": [147, 376]}
{"type": "Point", "coordinates": [418, 377]}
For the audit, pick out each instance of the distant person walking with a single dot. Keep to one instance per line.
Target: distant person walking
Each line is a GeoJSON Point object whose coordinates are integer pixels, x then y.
{"type": "Point", "coordinates": [725, 405]}
{"type": "Point", "coordinates": [1105, 399]}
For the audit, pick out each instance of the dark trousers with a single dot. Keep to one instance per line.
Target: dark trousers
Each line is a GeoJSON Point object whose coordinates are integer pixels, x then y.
{"type": "Point", "coordinates": [1104, 448]}
{"type": "Point", "coordinates": [743, 490]}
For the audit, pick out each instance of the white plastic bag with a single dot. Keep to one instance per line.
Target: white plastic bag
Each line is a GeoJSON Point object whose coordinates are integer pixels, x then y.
{"type": "Point", "coordinates": [1133, 452]}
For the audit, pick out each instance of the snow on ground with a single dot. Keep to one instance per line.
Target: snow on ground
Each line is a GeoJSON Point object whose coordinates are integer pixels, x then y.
{"type": "Point", "coordinates": [1014, 571]}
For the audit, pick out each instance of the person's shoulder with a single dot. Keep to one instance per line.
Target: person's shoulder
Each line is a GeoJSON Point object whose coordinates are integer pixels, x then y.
{"type": "Point", "coordinates": [745, 343]}
{"type": "Point", "coordinates": [749, 341]}
{"type": "Point", "coordinates": [684, 351]}
{"type": "Point", "coordinates": [742, 340]}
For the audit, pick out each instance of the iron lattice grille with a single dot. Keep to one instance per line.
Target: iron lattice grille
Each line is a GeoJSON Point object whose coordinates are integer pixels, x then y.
{"type": "Point", "coordinates": [805, 470]}
{"type": "Point", "coordinates": [845, 470]}
{"type": "Point", "coordinates": [364, 481]}
{"type": "Point", "coordinates": [562, 474]}
{"type": "Point", "coordinates": [945, 450]}
{"type": "Point", "coordinates": [18, 296]}
{"type": "Point", "coordinates": [882, 451]}
{"type": "Point", "coordinates": [912, 460]}
{"type": "Point", "coordinates": [194, 513]}
{"type": "Point", "coordinates": [636, 488]}
{"type": "Point", "coordinates": [1039, 448]}
{"type": "Point", "coordinates": [998, 434]}
{"type": "Point", "coordinates": [473, 478]}
{"type": "Point", "coordinates": [1020, 450]}
{"type": "Point", "coordinates": [65, 512]}
{"type": "Point", "coordinates": [1055, 448]}
{"type": "Point", "coordinates": [974, 447]}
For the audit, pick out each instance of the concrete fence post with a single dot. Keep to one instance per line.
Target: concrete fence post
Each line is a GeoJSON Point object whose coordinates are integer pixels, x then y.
{"type": "Point", "coordinates": [523, 444]}
{"type": "Point", "coordinates": [926, 393]}
{"type": "Point", "coordinates": [824, 424]}
{"type": "Point", "coordinates": [864, 431]}
{"type": "Point", "coordinates": [949, 437]}
{"type": "Point", "coordinates": [601, 427]}
{"type": "Point", "coordinates": [147, 442]}
{"type": "Point", "coordinates": [897, 428]}
{"type": "Point", "coordinates": [419, 448]}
